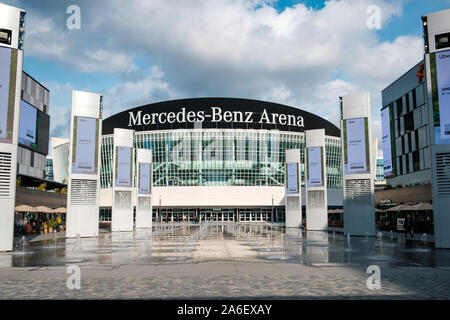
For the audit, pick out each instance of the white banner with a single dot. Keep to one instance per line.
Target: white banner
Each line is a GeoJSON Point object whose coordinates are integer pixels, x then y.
{"type": "Point", "coordinates": [123, 165]}
{"type": "Point", "coordinates": [5, 67]}
{"type": "Point", "coordinates": [356, 146]}
{"type": "Point", "coordinates": [315, 178]}
{"type": "Point", "coordinates": [292, 178]}
{"type": "Point", "coordinates": [144, 178]}
{"type": "Point", "coordinates": [386, 141]}
{"type": "Point", "coordinates": [85, 141]}
{"type": "Point", "coordinates": [443, 82]}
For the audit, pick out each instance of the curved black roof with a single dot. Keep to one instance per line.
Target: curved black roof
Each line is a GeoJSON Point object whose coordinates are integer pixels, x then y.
{"type": "Point", "coordinates": [239, 114]}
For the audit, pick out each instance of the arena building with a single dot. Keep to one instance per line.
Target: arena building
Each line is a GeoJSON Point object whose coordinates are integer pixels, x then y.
{"type": "Point", "coordinates": [221, 159]}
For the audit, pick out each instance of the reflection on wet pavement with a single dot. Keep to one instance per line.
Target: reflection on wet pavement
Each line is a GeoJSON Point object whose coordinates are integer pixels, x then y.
{"type": "Point", "coordinates": [191, 243]}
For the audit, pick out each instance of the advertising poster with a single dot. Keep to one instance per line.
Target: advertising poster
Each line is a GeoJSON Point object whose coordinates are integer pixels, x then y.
{"type": "Point", "coordinates": [124, 158]}
{"type": "Point", "coordinates": [28, 125]}
{"type": "Point", "coordinates": [292, 178]}
{"type": "Point", "coordinates": [386, 142]}
{"type": "Point", "coordinates": [144, 178]}
{"type": "Point", "coordinates": [315, 167]}
{"type": "Point", "coordinates": [400, 224]}
{"type": "Point", "coordinates": [356, 146]}
{"type": "Point", "coordinates": [440, 74]}
{"type": "Point", "coordinates": [84, 153]}
{"type": "Point", "coordinates": [8, 71]}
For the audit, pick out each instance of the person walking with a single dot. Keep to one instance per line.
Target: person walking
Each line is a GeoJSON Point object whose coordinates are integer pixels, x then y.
{"type": "Point", "coordinates": [408, 226]}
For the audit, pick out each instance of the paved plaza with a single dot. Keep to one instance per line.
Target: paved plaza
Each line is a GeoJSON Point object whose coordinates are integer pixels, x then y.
{"type": "Point", "coordinates": [216, 261]}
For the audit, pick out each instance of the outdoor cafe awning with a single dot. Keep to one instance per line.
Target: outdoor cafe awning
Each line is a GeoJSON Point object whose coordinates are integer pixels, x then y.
{"type": "Point", "coordinates": [42, 209]}
{"type": "Point", "coordinates": [400, 207]}
{"type": "Point", "coordinates": [60, 210]}
{"type": "Point", "coordinates": [24, 208]}
{"type": "Point", "coordinates": [416, 207]}
{"type": "Point", "coordinates": [421, 206]}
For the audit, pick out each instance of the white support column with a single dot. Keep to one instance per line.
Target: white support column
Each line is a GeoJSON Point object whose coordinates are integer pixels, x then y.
{"type": "Point", "coordinates": [144, 188]}
{"type": "Point", "coordinates": [84, 169]}
{"type": "Point", "coordinates": [122, 206]}
{"type": "Point", "coordinates": [293, 196]}
{"type": "Point", "coordinates": [358, 167]}
{"type": "Point", "coordinates": [437, 67]}
{"type": "Point", "coordinates": [11, 59]}
{"type": "Point", "coordinates": [316, 181]}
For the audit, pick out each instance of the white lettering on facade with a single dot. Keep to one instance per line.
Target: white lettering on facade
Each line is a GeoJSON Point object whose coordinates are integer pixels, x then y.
{"type": "Point", "coordinates": [215, 115]}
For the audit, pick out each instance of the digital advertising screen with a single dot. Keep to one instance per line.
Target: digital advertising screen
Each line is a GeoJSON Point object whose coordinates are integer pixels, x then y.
{"type": "Point", "coordinates": [28, 125]}
{"type": "Point", "coordinates": [124, 159]}
{"type": "Point", "coordinates": [292, 178]}
{"type": "Point", "coordinates": [386, 139]}
{"type": "Point", "coordinates": [85, 150]}
{"type": "Point", "coordinates": [356, 146]}
{"type": "Point", "coordinates": [315, 167]}
{"type": "Point", "coordinates": [145, 178]}
{"type": "Point", "coordinates": [440, 77]}
{"type": "Point", "coordinates": [8, 72]}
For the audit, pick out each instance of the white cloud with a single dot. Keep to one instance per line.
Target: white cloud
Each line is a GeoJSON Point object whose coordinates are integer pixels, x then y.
{"type": "Point", "coordinates": [132, 94]}
{"type": "Point", "coordinates": [59, 108]}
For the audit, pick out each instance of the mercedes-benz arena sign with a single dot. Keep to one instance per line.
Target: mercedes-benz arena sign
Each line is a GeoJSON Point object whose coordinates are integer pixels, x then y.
{"type": "Point", "coordinates": [209, 113]}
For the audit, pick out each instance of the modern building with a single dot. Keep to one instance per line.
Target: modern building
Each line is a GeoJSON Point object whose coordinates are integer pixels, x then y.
{"type": "Point", "coordinates": [60, 159]}
{"type": "Point", "coordinates": [49, 168]}
{"type": "Point", "coordinates": [379, 172]}
{"type": "Point", "coordinates": [405, 108]}
{"type": "Point", "coordinates": [219, 158]}
{"type": "Point", "coordinates": [34, 126]}
{"type": "Point", "coordinates": [406, 138]}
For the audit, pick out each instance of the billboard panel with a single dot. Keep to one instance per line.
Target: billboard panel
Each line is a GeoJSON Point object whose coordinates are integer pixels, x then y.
{"type": "Point", "coordinates": [440, 81]}
{"type": "Point", "coordinates": [28, 125]}
{"type": "Point", "coordinates": [292, 178]}
{"type": "Point", "coordinates": [8, 73]}
{"type": "Point", "coordinates": [85, 145]}
{"type": "Point", "coordinates": [314, 167]}
{"type": "Point", "coordinates": [356, 146]}
{"type": "Point", "coordinates": [33, 128]}
{"type": "Point", "coordinates": [386, 129]}
{"type": "Point", "coordinates": [124, 159]}
{"type": "Point", "coordinates": [145, 178]}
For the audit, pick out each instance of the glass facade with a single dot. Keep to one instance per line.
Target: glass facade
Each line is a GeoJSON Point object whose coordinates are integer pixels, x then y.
{"type": "Point", "coordinates": [379, 171]}
{"type": "Point", "coordinates": [209, 214]}
{"type": "Point", "coordinates": [49, 169]}
{"type": "Point", "coordinates": [221, 157]}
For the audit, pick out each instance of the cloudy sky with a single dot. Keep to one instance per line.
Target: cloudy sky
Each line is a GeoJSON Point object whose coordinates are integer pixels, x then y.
{"type": "Point", "coordinates": [303, 53]}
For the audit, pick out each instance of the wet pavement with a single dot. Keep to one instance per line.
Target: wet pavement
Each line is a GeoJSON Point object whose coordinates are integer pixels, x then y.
{"type": "Point", "coordinates": [234, 242]}
{"type": "Point", "coordinates": [213, 260]}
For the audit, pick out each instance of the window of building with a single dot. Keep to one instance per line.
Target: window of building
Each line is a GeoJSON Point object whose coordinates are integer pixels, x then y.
{"type": "Point", "coordinates": [399, 107]}
{"type": "Point", "coordinates": [416, 160]}
{"type": "Point", "coordinates": [416, 140]}
{"type": "Point", "coordinates": [409, 141]}
{"type": "Point", "coordinates": [407, 102]}
{"type": "Point", "coordinates": [406, 159]}
{"type": "Point", "coordinates": [397, 128]}
{"type": "Point", "coordinates": [422, 137]}
{"type": "Point", "coordinates": [403, 143]}
{"type": "Point", "coordinates": [409, 122]}
{"type": "Point", "coordinates": [420, 96]}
